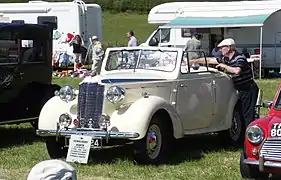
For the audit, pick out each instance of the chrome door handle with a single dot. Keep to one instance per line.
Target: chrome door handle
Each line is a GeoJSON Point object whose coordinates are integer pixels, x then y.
{"type": "Point", "coordinates": [183, 85]}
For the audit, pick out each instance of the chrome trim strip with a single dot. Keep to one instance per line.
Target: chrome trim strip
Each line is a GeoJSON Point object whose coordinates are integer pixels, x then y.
{"type": "Point", "coordinates": [96, 134]}
{"type": "Point", "coordinates": [17, 120]}
{"type": "Point", "coordinates": [266, 163]}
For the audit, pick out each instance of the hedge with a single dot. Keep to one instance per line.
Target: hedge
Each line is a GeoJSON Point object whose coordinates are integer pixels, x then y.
{"type": "Point", "coordinates": [142, 6]}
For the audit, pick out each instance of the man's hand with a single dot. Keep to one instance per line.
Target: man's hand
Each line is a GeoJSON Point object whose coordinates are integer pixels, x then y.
{"type": "Point", "coordinates": [221, 65]}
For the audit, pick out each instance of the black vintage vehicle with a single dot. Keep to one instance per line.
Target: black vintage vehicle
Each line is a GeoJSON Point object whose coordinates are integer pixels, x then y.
{"type": "Point", "coordinates": [25, 70]}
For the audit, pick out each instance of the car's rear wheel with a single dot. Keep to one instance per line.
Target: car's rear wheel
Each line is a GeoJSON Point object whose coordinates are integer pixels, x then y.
{"type": "Point", "coordinates": [56, 149]}
{"type": "Point", "coordinates": [250, 172]}
{"type": "Point", "coordinates": [234, 135]}
{"type": "Point", "coordinates": [153, 148]}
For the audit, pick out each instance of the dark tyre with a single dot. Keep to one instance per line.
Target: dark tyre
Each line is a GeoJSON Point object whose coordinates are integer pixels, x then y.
{"type": "Point", "coordinates": [55, 148]}
{"type": "Point", "coordinates": [154, 147]}
{"type": "Point", "coordinates": [49, 93]}
{"type": "Point", "coordinates": [250, 172]}
{"type": "Point", "coordinates": [235, 135]}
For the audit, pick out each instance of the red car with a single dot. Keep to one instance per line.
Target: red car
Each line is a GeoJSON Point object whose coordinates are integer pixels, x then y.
{"type": "Point", "coordinates": [262, 149]}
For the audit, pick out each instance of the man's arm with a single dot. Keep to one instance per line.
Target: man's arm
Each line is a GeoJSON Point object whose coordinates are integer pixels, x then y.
{"type": "Point", "coordinates": [203, 61]}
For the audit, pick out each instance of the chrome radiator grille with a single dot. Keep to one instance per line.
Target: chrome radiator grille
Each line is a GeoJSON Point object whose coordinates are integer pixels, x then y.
{"type": "Point", "coordinates": [271, 149]}
{"type": "Point", "coordinates": [90, 104]}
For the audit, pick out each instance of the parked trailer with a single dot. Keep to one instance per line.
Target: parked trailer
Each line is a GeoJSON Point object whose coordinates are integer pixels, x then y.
{"type": "Point", "coordinates": [255, 27]}
{"type": "Point", "coordinates": [72, 17]}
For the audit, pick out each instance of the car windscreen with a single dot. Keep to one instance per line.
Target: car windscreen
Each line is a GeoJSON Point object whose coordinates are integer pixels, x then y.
{"type": "Point", "coordinates": [142, 59]}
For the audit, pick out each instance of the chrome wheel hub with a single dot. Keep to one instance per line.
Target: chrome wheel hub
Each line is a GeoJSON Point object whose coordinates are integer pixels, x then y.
{"type": "Point", "coordinates": [153, 141]}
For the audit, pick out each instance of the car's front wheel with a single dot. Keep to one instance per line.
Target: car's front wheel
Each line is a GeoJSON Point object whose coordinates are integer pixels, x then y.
{"type": "Point", "coordinates": [250, 172]}
{"type": "Point", "coordinates": [153, 148]}
{"type": "Point", "coordinates": [234, 135]}
{"type": "Point", "coordinates": [56, 149]}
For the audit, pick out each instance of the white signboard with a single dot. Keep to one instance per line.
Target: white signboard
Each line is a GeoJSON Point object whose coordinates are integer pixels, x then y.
{"type": "Point", "coordinates": [79, 149]}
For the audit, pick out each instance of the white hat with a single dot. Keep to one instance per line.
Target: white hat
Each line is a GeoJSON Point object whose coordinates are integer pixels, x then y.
{"type": "Point", "coordinates": [94, 37]}
{"type": "Point", "coordinates": [52, 170]}
{"type": "Point", "coordinates": [227, 42]}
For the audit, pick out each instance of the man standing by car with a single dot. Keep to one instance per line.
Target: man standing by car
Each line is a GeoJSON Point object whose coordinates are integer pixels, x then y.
{"type": "Point", "coordinates": [97, 54]}
{"type": "Point", "coordinates": [132, 39]}
{"type": "Point", "coordinates": [237, 66]}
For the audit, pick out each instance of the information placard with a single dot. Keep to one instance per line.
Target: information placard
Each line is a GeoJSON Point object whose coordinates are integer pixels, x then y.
{"type": "Point", "coordinates": [79, 149]}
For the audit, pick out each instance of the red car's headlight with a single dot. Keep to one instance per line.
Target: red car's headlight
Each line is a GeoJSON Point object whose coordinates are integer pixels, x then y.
{"type": "Point", "coordinates": [255, 134]}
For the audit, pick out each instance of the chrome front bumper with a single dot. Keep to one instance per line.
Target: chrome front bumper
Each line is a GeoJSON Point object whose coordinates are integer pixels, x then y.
{"type": "Point", "coordinates": [93, 133]}
{"type": "Point", "coordinates": [262, 163]}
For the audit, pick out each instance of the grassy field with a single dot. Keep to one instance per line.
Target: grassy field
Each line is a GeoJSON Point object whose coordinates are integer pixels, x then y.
{"type": "Point", "coordinates": [195, 158]}
{"type": "Point", "coordinates": [115, 28]}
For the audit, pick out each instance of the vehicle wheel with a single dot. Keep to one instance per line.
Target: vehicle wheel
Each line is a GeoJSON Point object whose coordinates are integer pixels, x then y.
{"type": "Point", "coordinates": [55, 148]}
{"type": "Point", "coordinates": [235, 135]}
{"type": "Point", "coordinates": [154, 147]}
{"type": "Point", "coordinates": [250, 172]}
{"type": "Point", "coordinates": [49, 93]}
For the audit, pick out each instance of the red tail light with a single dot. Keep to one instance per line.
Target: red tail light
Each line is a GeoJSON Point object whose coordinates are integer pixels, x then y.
{"type": "Point", "coordinates": [257, 51]}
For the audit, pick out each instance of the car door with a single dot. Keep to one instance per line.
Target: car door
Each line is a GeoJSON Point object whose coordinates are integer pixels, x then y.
{"type": "Point", "coordinates": [223, 92]}
{"type": "Point", "coordinates": [10, 71]}
{"type": "Point", "coordinates": [195, 98]}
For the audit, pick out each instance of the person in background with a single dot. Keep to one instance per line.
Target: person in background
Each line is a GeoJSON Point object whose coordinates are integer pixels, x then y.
{"type": "Point", "coordinates": [132, 39]}
{"type": "Point", "coordinates": [193, 45]}
{"type": "Point", "coordinates": [245, 52]}
{"type": "Point", "coordinates": [97, 54]}
{"type": "Point", "coordinates": [216, 52]}
{"type": "Point", "coordinates": [237, 66]}
{"type": "Point", "coordinates": [52, 169]}
{"type": "Point", "coordinates": [77, 43]}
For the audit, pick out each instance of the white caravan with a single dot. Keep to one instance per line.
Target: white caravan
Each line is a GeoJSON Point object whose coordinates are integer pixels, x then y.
{"type": "Point", "coordinates": [209, 19]}
{"type": "Point", "coordinates": [72, 17]}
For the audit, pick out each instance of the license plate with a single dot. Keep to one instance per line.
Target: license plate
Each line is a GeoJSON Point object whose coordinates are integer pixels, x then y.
{"type": "Point", "coordinates": [95, 143]}
{"type": "Point", "coordinates": [275, 130]}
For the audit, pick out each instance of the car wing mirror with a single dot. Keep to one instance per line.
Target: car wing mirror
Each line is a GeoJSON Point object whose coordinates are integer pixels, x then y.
{"type": "Point", "coordinates": [267, 104]}
{"type": "Point", "coordinates": [195, 66]}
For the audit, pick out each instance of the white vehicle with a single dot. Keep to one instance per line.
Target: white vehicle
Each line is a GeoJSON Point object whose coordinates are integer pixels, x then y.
{"type": "Point", "coordinates": [253, 24]}
{"type": "Point", "coordinates": [148, 95]}
{"type": "Point", "coordinates": [72, 17]}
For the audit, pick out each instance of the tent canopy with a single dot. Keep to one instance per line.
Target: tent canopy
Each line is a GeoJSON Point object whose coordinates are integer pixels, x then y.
{"type": "Point", "coordinates": [213, 22]}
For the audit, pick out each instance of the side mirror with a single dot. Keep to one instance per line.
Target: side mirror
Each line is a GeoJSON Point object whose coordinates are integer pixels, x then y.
{"type": "Point", "coordinates": [267, 104]}
{"type": "Point", "coordinates": [153, 42]}
{"type": "Point", "coordinates": [195, 66]}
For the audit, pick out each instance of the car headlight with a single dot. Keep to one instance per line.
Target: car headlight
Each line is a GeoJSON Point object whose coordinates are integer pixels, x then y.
{"type": "Point", "coordinates": [65, 120]}
{"type": "Point", "coordinates": [66, 93]}
{"type": "Point", "coordinates": [254, 134]}
{"type": "Point", "coordinates": [115, 94]}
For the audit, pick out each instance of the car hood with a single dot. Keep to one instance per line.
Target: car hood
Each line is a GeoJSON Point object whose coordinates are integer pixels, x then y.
{"type": "Point", "coordinates": [123, 78]}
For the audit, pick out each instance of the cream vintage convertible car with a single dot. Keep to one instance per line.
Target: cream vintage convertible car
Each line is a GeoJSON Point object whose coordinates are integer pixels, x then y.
{"type": "Point", "coordinates": [148, 95]}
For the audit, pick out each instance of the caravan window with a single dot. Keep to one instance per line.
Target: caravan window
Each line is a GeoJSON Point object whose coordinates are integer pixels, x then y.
{"type": "Point", "coordinates": [165, 35]}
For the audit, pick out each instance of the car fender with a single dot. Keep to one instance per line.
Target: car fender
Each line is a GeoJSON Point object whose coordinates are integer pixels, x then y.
{"type": "Point", "coordinates": [51, 111]}
{"type": "Point", "coordinates": [136, 117]}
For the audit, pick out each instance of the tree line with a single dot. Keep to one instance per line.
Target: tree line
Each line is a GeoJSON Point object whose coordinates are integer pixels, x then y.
{"type": "Point", "coordinates": [143, 6]}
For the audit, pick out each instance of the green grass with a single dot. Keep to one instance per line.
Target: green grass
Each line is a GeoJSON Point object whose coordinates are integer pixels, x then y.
{"type": "Point", "coordinates": [115, 28]}
{"type": "Point", "coordinates": [195, 158]}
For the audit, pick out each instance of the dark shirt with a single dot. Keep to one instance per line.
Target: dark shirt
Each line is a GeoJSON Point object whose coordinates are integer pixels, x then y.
{"type": "Point", "coordinates": [244, 79]}
{"type": "Point", "coordinates": [77, 47]}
